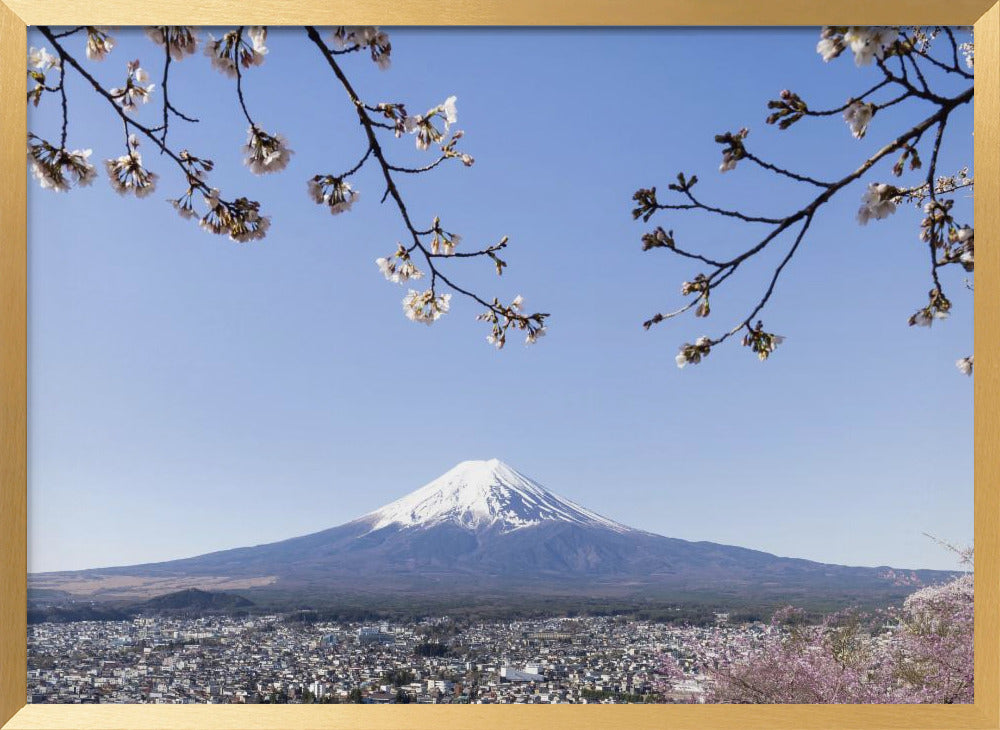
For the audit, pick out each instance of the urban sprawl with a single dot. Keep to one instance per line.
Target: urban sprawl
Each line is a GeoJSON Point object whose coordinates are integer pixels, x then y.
{"type": "Point", "coordinates": [223, 659]}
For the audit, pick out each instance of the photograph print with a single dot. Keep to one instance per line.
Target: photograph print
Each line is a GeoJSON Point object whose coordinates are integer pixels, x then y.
{"type": "Point", "coordinates": [491, 366]}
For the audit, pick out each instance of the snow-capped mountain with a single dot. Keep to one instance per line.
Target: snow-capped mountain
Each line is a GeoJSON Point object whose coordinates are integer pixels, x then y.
{"type": "Point", "coordinates": [478, 495]}
{"type": "Point", "coordinates": [485, 529]}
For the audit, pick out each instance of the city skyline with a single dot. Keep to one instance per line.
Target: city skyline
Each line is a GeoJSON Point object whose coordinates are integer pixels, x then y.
{"type": "Point", "coordinates": [189, 394]}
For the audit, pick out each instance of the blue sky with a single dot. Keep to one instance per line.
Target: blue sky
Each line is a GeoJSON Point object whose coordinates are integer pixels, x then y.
{"type": "Point", "coordinates": [189, 394]}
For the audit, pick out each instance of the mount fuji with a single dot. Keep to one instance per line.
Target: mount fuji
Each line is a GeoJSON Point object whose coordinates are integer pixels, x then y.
{"type": "Point", "coordinates": [485, 529]}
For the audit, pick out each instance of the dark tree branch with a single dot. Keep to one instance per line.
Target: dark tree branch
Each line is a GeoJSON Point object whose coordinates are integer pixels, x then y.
{"type": "Point", "coordinates": [64, 103]}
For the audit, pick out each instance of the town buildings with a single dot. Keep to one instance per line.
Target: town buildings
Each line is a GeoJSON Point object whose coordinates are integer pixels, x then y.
{"type": "Point", "coordinates": [268, 658]}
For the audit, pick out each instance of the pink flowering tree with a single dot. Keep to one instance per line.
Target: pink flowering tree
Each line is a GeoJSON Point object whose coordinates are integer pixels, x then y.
{"type": "Point", "coordinates": [669, 675]}
{"type": "Point", "coordinates": [127, 88]}
{"type": "Point", "coordinates": [930, 71]}
{"type": "Point", "coordinates": [841, 660]}
{"type": "Point", "coordinates": [934, 654]}
{"type": "Point", "coordinates": [921, 652]}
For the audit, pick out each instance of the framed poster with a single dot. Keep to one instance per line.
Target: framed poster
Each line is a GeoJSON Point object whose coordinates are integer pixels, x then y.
{"type": "Point", "coordinates": [213, 353]}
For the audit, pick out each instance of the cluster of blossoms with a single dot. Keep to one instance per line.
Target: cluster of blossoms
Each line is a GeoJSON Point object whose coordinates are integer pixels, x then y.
{"type": "Point", "coordinates": [240, 219]}
{"type": "Point", "coordinates": [646, 205]}
{"type": "Point", "coordinates": [394, 113]}
{"type": "Point", "coordinates": [41, 60]}
{"type": "Point", "coordinates": [938, 228]}
{"type": "Point", "coordinates": [126, 173]}
{"type": "Point", "coordinates": [913, 155]}
{"type": "Point", "coordinates": [879, 201]}
{"type": "Point", "coordinates": [232, 50]}
{"type": "Point", "coordinates": [943, 185]}
{"type": "Point", "coordinates": [334, 192]}
{"type": "Point", "coordinates": [965, 364]}
{"type": "Point", "coordinates": [857, 115]}
{"type": "Point", "coordinates": [135, 91]}
{"type": "Point", "coordinates": [195, 168]}
{"type": "Point", "coordinates": [938, 307]}
{"type": "Point", "coordinates": [965, 237]}
{"type": "Point", "coordinates": [968, 50]}
{"type": "Point", "coordinates": [184, 205]}
{"type": "Point", "coordinates": [99, 43]}
{"type": "Point", "coordinates": [693, 353]}
{"type": "Point", "coordinates": [443, 243]}
{"type": "Point", "coordinates": [502, 318]}
{"type": "Point", "coordinates": [734, 150]}
{"type": "Point", "coordinates": [448, 150]}
{"type": "Point", "coordinates": [700, 286]}
{"type": "Point", "coordinates": [425, 306]}
{"type": "Point", "coordinates": [356, 37]}
{"type": "Point", "coordinates": [180, 40]}
{"type": "Point", "coordinates": [265, 152]}
{"type": "Point", "coordinates": [788, 109]}
{"type": "Point", "coordinates": [761, 342]}
{"type": "Point", "coordinates": [59, 169]}
{"type": "Point", "coordinates": [422, 125]}
{"type": "Point", "coordinates": [399, 267]}
{"type": "Point", "coordinates": [866, 43]}
{"type": "Point", "coordinates": [658, 238]}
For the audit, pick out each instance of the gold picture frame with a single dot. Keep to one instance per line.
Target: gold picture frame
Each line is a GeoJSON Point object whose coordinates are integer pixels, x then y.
{"type": "Point", "coordinates": [16, 15]}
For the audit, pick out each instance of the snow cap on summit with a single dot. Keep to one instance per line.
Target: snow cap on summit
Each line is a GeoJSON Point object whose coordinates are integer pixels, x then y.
{"type": "Point", "coordinates": [484, 494]}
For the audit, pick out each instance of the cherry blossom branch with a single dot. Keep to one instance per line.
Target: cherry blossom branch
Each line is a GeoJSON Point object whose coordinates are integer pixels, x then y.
{"type": "Point", "coordinates": [239, 218]}
{"type": "Point", "coordinates": [237, 50]}
{"type": "Point", "coordinates": [879, 201]}
{"type": "Point", "coordinates": [148, 132]}
{"type": "Point", "coordinates": [429, 305]}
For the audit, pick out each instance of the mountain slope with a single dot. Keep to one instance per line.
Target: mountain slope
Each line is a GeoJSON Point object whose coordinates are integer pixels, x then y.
{"type": "Point", "coordinates": [484, 528]}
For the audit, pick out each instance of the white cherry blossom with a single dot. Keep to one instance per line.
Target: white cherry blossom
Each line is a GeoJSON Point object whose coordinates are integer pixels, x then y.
{"type": "Point", "coordinates": [264, 152]}
{"type": "Point", "coordinates": [99, 44]}
{"type": "Point", "coordinates": [41, 59]}
{"type": "Point", "coordinates": [127, 175]}
{"type": "Point", "coordinates": [336, 193]}
{"type": "Point", "coordinates": [424, 306]}
{"type": "Point", "coordinates": [878, 202]}
{"type": "Point", "coordinates": [868, 43]}
{"type": "Point", "coordinates": [182, 40]}
{"type": "Point", "coordinates": [857, 116]}
{"type": "Point", "coordinates": [57, 169]}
